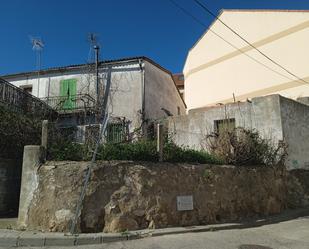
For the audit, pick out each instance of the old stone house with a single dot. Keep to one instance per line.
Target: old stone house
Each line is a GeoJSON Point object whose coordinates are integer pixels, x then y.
{"type": "Point", "coordinates": [141, 92]}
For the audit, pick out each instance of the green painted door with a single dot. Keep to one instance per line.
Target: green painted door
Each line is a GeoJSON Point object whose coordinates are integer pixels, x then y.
{"type": "Point", "coordinates": [68, 93]}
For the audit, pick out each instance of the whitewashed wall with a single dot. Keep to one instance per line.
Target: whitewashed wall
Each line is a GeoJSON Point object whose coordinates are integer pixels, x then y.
{"type": "Point", "coordinates": [125, 95]}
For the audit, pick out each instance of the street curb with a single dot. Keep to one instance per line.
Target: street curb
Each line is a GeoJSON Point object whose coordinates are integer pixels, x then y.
{"type": "Point", "coordinates": [18, 239]}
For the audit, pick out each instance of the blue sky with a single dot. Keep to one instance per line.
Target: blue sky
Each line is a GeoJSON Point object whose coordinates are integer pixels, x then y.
{"type": "Point", "coordinates": [153, 28]}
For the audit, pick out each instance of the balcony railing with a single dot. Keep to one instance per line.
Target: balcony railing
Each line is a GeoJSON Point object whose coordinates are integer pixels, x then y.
{"type": "Point", "coordinates": [71, 103]}
{"type": "Point", "coordinates": [18, 99]}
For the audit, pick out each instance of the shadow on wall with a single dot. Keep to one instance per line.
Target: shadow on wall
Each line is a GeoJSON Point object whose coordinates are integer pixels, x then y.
{"type": "Point", "coordinates": [10, 182]}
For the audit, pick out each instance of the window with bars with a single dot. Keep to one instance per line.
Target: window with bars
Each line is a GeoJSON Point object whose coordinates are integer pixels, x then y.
{"type": "Point", "coordinates": [116, 132]}
{"type": "Point", "coordinates": [224, 125]}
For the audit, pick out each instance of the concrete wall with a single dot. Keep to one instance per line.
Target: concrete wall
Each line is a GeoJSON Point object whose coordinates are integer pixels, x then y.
{"type": "Point", "coordinates": [32, 160]}
{"type": "Point", "coordinates": [10, 177]}
{"type": "Point", "coordinates": [215, 69]}
{"type": "Point", "coordinates": [160, 92]}
{"type": "Point", "coordinates": [295, 124]}
{"type": "Point", "coordinates": [263, 114]}
{"type": "Point", "coordinates": [275, 117]}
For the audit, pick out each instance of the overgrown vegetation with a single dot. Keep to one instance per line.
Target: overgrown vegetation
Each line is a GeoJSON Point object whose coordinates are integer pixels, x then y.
{"type": "Point", "coordinates": [16, 131]}
{"type": "Point", "coordinates": [142, 150]}
{"type": "Point", "coordinates": [241, 147]}
{"type": "Point", "coordinates": [235, 146]}
{"type": "Point", "coordinates": [174, 153]}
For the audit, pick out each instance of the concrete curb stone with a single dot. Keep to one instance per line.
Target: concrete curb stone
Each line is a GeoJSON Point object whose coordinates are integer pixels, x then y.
{"type": "Point", "coordinates": [60, 241]}
{"type": "Point", "coordinates": [8, 241]}
{"type": "Point", "coordinates": [26, 238]}
{"type": "Point", "coordinates": [88, 239]}
{"type": "Point", "coordinates": [16, 238]}
{"type": "Point", "coordinates": [9, 238]}
{"type": "Point", "coordinates": [106, 238]}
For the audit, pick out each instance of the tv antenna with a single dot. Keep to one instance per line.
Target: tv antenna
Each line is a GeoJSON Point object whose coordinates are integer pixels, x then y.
{"type": "Point", "coordinates": [37, 46]}
{"type": "Point", "coordinates": [93, 43]}
{"type": "Point", "coordinates": [95, 47]}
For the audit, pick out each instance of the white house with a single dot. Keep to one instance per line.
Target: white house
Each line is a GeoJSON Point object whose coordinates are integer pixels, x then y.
{"type": "Point", "coordinates": [142, 91]}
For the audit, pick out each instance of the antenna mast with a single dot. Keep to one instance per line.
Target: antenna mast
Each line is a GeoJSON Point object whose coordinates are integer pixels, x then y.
{"type": "Point", "coordinates": [96, 47]}
{"type": "Point", "coordinates": [37, 46]}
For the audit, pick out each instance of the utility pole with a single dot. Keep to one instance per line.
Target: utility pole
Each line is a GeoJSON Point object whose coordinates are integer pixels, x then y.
{"type": "Point", "coordinates": [97, 51]}
{"type": "Point", "coordinates": [96, 48]}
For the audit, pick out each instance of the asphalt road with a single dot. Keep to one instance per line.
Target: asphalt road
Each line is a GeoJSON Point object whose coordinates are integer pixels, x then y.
{"type": "Point", "coordinates": [284, 235]}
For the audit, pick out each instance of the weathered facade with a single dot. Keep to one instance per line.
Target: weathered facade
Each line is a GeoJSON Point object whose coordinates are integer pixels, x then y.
{"type": "Point", "coordinates": [140, 90]}
{"type": "Point", "coordinates": [275, 117]}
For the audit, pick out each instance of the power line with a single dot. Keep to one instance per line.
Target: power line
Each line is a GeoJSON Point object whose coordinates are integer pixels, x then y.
{"type": "Point", "coordinates": [188, 13]}
{"type": "Point", "coordinates": [222, 38]}
{"type": "Point", "coordinates": [246, 41]}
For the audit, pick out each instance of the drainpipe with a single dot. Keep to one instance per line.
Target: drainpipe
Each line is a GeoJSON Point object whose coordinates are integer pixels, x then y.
{"type": "Point", "coordinates": [140, 62]}
{"type": "Point", "coordinates": [48, 90]}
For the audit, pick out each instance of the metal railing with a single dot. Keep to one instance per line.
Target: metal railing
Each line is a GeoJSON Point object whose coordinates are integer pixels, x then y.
{"type": "Point", "coordinates": [20, 100]}
{"type": "Point", "coordinates": [70, 103]}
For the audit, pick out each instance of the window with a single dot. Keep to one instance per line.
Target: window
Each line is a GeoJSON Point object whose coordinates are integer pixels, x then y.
{"type": "Point", "coordinates": [178, 110]}
{"type": "Point", "coordinates": [116, 132]}
{"type": "Point", "coordinates": [224, 125]}
{"type": "Point", "coordinates": [68, 93]}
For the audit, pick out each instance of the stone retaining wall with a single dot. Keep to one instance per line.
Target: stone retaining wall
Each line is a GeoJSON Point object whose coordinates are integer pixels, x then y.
{"type": "Point", "coordinates": [131, 195]}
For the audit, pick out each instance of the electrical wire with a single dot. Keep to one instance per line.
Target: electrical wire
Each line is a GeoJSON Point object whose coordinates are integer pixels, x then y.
{"type": "Point", "coordinates": [222, 38]}
{"type": "Point", "coordinates": [246, 41]}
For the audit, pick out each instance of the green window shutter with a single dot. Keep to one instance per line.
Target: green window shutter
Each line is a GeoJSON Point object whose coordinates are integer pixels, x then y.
{"type": "Point", "coordinates": [72, 90]}
{"type": "Point", "coordinates": [63, 88]}
{"type": "Point", "coordinates": [68, 92]}
{"type": "Point", "coordinates": [72, 86]}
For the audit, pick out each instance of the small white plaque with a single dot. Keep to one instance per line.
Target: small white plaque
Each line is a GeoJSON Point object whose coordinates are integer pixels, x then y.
{"type": "Point", "coordinates": [184, 202]}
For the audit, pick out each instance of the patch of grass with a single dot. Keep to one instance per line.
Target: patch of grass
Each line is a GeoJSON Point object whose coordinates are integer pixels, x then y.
{"type": "Point", "coordinates": [174, 153]}
{"type": "Point", "coordinates": [143, 150]}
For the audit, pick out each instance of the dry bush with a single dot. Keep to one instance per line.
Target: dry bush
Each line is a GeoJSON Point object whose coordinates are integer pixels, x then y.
{"type": "Point", "coordinates": [242, 147]}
